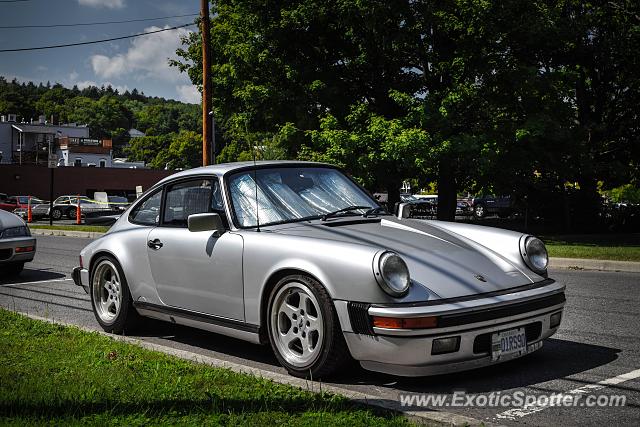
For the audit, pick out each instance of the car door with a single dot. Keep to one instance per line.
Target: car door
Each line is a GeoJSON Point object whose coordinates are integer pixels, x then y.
{"type": "Point", "coordinates": [196, 271]}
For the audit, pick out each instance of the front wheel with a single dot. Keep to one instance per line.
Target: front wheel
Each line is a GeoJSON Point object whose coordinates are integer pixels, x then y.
{"type": "Point", "coordinates": [479, 211]}
{"type": "Point", "coordinates": [56, 214]}
{"type": "Point", "coordinates": [304, 330]}
{"type": "Point", "coordinates": [110, 297]}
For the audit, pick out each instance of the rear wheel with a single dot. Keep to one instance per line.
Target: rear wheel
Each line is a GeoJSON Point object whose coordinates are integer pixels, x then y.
{"type": "Point", "coordinates": [304, 330]}
{"type": "Point", "coordinates": [110, 298]}
{"type": "Point", "coordinates": [71, 213]}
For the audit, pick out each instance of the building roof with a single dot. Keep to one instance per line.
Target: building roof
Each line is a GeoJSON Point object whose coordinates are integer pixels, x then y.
{"type": "Point", "coordinates": [135, 133]}
{"type": "Point", "coordinates": [37, 128]}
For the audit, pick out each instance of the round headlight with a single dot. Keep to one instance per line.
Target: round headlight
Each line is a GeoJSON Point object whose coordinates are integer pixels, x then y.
{"type": "Point", "coordinates": [535, 254]}
{"type": "Point", "coordinates": [392, 274]}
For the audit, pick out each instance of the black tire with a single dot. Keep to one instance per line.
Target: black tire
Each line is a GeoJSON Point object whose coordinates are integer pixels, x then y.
{"type": "Point", "coordinates": [13, 269]}
{"type": "Point", "coordinates": [479, 211]}
{"type": "Point", "coordinates": [127, 318]}
{"type": "Point", "coordinates": [333, 352]}
{"type": "Point", "coordinates": [71, 213]}
{"type": "Point", "coordinates": [56, 214]}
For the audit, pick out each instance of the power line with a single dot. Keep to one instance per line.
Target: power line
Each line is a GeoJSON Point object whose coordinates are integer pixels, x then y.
{"type": "Point", "coordinates": [95, 41]}
{"type": "Point", "coordinates": [94, 23]}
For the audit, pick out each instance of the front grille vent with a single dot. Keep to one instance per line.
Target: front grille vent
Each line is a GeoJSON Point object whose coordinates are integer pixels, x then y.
{"type": "Point", "coordinates": [359, 316]}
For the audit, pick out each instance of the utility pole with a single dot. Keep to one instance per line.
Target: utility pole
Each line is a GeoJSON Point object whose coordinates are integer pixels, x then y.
{"type": "Point", "coordinates": [206, 82]}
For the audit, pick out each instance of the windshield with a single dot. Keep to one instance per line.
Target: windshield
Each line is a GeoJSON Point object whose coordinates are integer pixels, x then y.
{"type": "Point", "coordinates": [408, 198]}
{"type": "Point", "coordinates": [291, 194]}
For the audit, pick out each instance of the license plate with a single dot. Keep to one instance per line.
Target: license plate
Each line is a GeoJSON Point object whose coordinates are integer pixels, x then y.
{"type": "Point", "coordinates": [508, 344]}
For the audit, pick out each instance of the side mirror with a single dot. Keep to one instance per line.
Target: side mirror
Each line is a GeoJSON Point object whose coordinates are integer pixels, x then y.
{"type": "Point", "coordinates": [206, 222]}
{"type": "Point", "coordinates": [404, 210]}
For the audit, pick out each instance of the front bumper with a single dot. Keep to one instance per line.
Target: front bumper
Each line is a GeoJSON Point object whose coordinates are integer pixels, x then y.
{"type": "Point", "coordinates": [408, 352]}
{"type": "Point", "coordinates": [8, 254]}
{"type": "Point", "coordinates": [81, 278]}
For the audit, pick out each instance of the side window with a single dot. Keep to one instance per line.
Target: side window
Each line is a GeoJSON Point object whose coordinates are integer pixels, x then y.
{"type": "Point", "coordinates": [187, 198]}
{"type": "Point", "coordinates": [147, 212]}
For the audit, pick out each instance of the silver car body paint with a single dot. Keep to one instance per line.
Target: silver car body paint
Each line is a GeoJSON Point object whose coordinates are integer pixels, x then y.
{"type": "Point", "coordinates": [228, 276]}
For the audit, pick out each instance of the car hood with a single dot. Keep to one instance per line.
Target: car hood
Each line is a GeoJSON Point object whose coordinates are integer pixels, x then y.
{"type": "Point", "coordinates": [447, 264]}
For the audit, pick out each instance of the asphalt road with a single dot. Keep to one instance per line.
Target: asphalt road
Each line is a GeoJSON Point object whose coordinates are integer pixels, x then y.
{"type": "Point", "coordinates": [599, 340]}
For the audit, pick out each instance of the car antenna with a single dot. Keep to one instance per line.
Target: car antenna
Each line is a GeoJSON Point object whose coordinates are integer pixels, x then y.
{"type": "Point", "coordinates": [255, 180]}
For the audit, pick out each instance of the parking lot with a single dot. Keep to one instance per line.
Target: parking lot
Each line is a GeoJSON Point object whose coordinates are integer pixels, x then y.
{"type": "Point", "coordinates": [595, 351]}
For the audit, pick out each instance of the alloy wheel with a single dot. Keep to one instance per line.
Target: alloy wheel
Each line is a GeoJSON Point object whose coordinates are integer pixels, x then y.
{"type": "Point", "coordinates": [297, 326]}
{"type": "Point", "coordinates": [107, 291]}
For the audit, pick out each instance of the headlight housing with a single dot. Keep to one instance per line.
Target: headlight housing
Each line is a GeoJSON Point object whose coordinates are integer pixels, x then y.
{"type": "Point", "coordinates": [11, 232]}
{"type": "Point", "coordinates": [534, 254]}
{"type": "Point", "coordinates": [391, 273]}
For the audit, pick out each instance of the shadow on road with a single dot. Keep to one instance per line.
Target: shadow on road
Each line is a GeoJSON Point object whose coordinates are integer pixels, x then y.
{"type": "Point", "coordinates": [557, 359]}
{"type": "Point", "coordinates": [29, 275]}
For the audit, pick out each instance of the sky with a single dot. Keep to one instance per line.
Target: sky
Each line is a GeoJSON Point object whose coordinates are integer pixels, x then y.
{"type": "Point", "coordinates": [140, 62]}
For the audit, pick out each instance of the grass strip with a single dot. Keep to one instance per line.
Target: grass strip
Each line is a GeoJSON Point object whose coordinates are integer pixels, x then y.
{"type": "Point", "coordinates": [615, 253]}
{"type": "Point", "coordinates": [94, 228]}
{"type": "Point", "coordinates": [52, 374]}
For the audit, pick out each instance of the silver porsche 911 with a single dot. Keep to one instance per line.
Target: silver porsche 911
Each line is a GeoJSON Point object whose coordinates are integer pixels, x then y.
{"type": "Point", "coordinates": [299, 256]}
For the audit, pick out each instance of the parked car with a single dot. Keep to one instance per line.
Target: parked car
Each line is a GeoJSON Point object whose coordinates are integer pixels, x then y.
{"type": "Point", "coordinates": [8, 204]}
{"type": "Point", "coordinates": [16, 244]}
{"type": "Point", "coordinates": [299, 256]}
{"type": "Point", "coordinates": [420, 208]}
{"type": "Point", "coordinates": [490, 204]}
{"type": "Point", "coordinates": [67, 205]}
{"type": "Point", "coordinates": [118, 203]}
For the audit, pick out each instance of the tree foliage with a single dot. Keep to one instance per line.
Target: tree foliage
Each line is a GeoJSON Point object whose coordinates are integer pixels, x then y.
{"type": "Point", "coordinates": [517, 97]}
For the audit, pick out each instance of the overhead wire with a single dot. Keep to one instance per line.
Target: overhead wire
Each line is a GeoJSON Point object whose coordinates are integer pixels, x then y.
{"type": "Point", "coordinates": [22, 49]}
{"type": "Point", "coordinates": [80, 24]}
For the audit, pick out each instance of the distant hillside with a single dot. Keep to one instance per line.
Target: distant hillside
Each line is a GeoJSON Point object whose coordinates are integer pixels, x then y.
{"type": "Point", "coordinates": [172, 128]}
{"type": "Point", "coordinates": [108, 113]}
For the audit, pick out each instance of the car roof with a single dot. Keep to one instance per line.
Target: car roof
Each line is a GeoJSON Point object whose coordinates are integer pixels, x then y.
{"type": "Point", "coordinates": [7, 219]}
{"type": "Point", "coordinates": [223, 168]}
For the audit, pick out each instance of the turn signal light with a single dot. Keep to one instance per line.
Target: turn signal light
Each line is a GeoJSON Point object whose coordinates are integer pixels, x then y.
{"type": "Point", "coordinates": [24, 249]}
{"type": "Point", "coordinates": [400, 323]}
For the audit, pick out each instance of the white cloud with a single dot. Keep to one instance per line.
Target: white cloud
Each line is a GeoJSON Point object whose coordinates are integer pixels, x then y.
{"type": "Point", "coordinates": [146, 58]}
{"type": "Point", "coordinates": [109, 4]}
{"type": "Point", "coordinates": [188, 94]}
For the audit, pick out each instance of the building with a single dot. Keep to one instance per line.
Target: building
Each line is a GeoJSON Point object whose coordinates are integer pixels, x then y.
{"type": "Point", "coordinates": [78, 152]}
{"type": "Point", "coordinates": [29, 143]}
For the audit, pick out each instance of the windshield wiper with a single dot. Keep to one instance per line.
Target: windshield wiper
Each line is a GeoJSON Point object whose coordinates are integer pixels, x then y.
{"type": "Point", "coordinates": [373, 211]}
{"type": "Point", "coordinates": [347, 209]}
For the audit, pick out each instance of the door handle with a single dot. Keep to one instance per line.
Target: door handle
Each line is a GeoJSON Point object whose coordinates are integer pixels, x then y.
{"type": "Point", "coordinates": [154, 244]}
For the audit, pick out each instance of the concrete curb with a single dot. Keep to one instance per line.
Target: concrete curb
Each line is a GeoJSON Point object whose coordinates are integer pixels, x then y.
{"type": "Point", "coordinates": [66, 233]}
{"type": "Point", "coordinates": [425, 417]}
{"type": "Point", "coordinates": [594, 264]}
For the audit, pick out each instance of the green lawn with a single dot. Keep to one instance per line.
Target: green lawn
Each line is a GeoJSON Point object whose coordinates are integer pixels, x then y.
{"type": "Point", "coordinates": [618, 247]}
{"type": "Point", "coordinates": [52, 374]}
{"type": "Point", "coordinates": [95, 228]}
